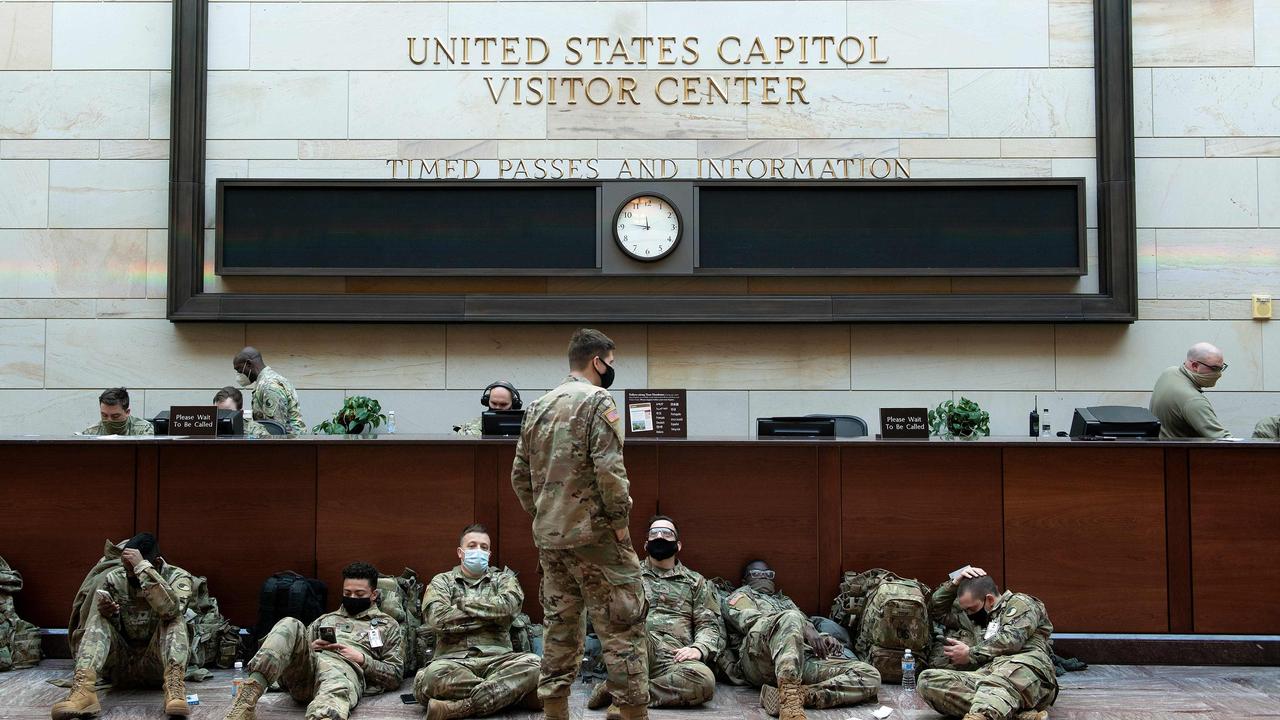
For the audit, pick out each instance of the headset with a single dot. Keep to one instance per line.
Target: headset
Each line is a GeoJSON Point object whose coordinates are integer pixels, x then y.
{"type": "Point", "coordinates": [515, 394]}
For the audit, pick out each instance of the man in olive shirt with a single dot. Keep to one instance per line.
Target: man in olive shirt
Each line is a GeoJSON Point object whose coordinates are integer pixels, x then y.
{"type": "Point", "coordinates": [568, 474]}
{"type": "Point", "coordinates": [1008, 672]}
{"type": "Point", "coordinates": [1178, 399]}
{"type": "Point", "coordinates": [353, 651]}
{"type": "Point", "coordinates": [474, 671]}
{"type": "Point", "coordinates": [113, 406]}
{"type": "Point", "coordinates": [1268, 428]}
{"type": "Point", "coordinates": [684, 626]}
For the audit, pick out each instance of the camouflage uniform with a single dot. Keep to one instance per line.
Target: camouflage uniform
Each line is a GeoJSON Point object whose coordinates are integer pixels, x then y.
{"type": "Point", "coordinates": [568, 475]}
{"type": "Point", "coordinates": [19, 639]}
{"type": "Point", "coordinates": [684, 611]}
{"type": "Point", "coordinates": [148, 634]}
{"type": "Point", "coordinates": [772, 650]}
{"type": "Point", "coordinates": [1013, 659]}
{"type": "Point", "coordinates": [133, 426]}
{"type": "Point", "coordinates": [470, 428]}
{"type": "Point", "coordinates": [471, 619]}
{"type": "Point", "coordinates": [255, 429]}
{"type": "Point", "coordinates": [1268, 428]}
{"type": "Point", "coordinates": [275, 399]}
{"type": "Point", "coordinates": [327, 681]}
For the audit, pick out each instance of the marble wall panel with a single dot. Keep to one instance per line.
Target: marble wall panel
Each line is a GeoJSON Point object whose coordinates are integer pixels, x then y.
{"type": "Point", "coordinates": [73, 263]}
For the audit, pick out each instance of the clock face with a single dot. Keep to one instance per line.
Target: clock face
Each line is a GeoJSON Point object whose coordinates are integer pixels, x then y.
{"type": "Point", "coordinates": [647, 227]}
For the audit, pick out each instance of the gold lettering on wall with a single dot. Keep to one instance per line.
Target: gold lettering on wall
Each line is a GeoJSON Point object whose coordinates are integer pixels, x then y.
{"type": "Point", "coordinates": [767, 168]}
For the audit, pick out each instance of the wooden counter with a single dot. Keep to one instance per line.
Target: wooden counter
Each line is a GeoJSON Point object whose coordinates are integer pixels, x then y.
{"type": "Point", "coordinates": [1114, 537]}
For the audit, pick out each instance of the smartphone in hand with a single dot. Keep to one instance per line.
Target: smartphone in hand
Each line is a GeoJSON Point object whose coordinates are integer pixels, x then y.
{"type": "Point", "coordinates": [328, 635]}
{"type": "Point", "coordinates": [408, 699]}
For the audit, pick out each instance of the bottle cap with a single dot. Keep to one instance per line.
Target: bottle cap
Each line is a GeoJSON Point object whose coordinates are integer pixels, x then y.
{"type": "Point", "coordinates": [239, 665]}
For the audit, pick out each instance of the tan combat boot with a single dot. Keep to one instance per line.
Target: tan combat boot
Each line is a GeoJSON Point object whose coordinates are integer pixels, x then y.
{"type": "Point", "coordinates": [770, 700]}
{"type": "Point", "coordinates": [175, 691]}
{"type": "Point", "coordinates": [82, 701]}
{"type": "Point", "coordinates": [530, 701]}
{"type": "Point", "coordinates": [556, 708]}
{"type": "Point", "coordinates": [974, 716]}
{"type": "Point", "coordinates": [600, 696]}
{"type": "Point", "coordinates": [448, 709]}
{"type": "Point", "coordinates": [790, 701]}
{"type": "Point", "coordinates": [632, 712]}
{"type": "Point", "coordinates": [1032, 715]}
{"type": "Point", "coordinates": [242, 708]}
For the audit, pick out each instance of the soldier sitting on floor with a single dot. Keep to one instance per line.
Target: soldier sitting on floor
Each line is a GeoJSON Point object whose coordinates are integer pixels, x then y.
{"type": "Point", "coordinates": [470, 609]}
{"type": "Point", "coordinates": [129, 622]}
{"type": "Point", "coordinates": [780, 652]}
{"type": "Point", "coordinates": [353, 651]}
{"type": "Point", "coordinates": [1014, 667]}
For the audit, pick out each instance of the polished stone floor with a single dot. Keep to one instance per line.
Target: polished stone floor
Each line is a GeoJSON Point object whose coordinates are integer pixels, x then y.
{"type": "Point", "coordinates": [1104, 692]}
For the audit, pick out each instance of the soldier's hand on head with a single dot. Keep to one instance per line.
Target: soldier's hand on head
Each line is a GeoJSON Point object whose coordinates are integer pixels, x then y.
{"type": "Point", "coordinates": [131, 557]}
{"type": "Point", "coordinates": [688, 653]}
{"type": "Point", "coordinates": [972, 572]}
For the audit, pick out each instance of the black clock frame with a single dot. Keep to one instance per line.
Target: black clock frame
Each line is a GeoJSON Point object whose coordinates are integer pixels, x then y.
{"type": "Point", "coordinates": [613, 226]}
{"type": "Point", "coordinates": [1115, 301]}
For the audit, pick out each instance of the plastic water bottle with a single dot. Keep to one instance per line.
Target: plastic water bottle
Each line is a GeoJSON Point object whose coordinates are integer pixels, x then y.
{"type": "Point", "coordinates": [237, 679]}
{"type": "Point", "coordinates": [391, 422]}
{"type": "Point", "coordinates": [908, 672]}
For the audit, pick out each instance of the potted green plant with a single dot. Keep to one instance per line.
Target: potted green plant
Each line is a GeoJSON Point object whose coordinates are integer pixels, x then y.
{"type": "Point", "coordinates": [359, 415]}
{"type": "Point", "coordinates": [965, 420]}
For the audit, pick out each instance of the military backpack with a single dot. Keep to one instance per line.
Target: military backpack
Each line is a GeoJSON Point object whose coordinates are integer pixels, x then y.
{"type": "Point", "coordinates": [288, 594]}
{"type": "Point", "coordinates": [214, 640]}
{"type": "Point", "coordinates": [401, 598]}
{"type": "Point", "coordinates": [19, 639]}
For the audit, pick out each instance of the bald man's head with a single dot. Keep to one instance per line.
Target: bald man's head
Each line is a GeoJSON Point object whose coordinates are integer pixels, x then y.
{"type": "Point", "coordinates": [1206, 353]}
{"type": "Point", "coordinates": [249, 362]}
{"type": "Point", "coordinates": [1205, 360]}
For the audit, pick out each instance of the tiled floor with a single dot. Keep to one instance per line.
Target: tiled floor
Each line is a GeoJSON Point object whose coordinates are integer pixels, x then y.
{"type": "Point", "coordinates": [1104, 692]}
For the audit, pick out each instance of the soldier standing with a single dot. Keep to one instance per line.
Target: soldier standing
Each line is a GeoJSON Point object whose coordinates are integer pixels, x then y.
{"type": "Point", "coordinates": [354, 651]}
{"type": "Point", "coordinates": [273, 396]}
{"type": "Point", "coordinates": [780, 652]}
{"type": "Point", "coordinates": [474, 671]}
{"type": "Point", "coordinates": [568, 475]}
{"type": "Point", "coordinates": [134, 628]}
{"type": "Point", "coordinates": [1014, 675]}
{"type": "Point", "coordinates": [684, 626]}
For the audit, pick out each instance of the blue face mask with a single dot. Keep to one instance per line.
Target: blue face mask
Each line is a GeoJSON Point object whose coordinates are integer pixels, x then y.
{"type": "Point", "coordinates": [475, 560]}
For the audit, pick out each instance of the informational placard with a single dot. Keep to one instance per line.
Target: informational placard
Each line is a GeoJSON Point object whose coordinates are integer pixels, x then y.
{"type": "Point", "coordinates": [193, 420]}
{"type": "Point", "coordinates": [656, 413]}
{"type": "Point", "coordinates": [904, 423]}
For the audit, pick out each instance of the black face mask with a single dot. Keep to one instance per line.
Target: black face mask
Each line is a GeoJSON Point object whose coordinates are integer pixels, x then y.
{"type": "Point", "coordinates": [134, 582]}
{"type": "Point", "coordinates": [355, 605]}
{"type": "Point", "coordinates": [607, 378]}
{"type": "Point", "coordinates": [660, 548]}
{"type": "Point", "coordinates": [980, 618]}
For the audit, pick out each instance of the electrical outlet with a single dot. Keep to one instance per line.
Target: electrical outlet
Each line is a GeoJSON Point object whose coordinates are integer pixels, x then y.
{"type": "Point", "coordinates": [1261, 307]}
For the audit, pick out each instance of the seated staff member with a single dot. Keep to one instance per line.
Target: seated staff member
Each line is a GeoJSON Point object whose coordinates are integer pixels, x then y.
{"type": "Point", "coordinates": [500, 395]}
{"type": "Point", "coordinates": [684, 626]}
{"type": "Point", "coordinates": [1012, 663]}
{"type": "Point", "coordinates": [229, 398]}
{"type": "Point", "coordinates": [474, 671]}
{"type": "Point", "coordinates": [343, 655]}
{"type": "Point", "coordinates": [778, 650]}
{"type": "Point", "coordinates": [1268, 428]}
{"type": "Point", "coordinates": [117, 419]}
{"type": "Point", "coordinates": [129, 622]}
{"type": "Point", "coordinates": [1178, 399]}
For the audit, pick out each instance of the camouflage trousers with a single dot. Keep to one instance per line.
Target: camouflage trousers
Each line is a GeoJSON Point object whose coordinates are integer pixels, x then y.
{"type": "Point", "coordinates": [492, 683]}
{"type": "Point", "coordinates": [323, 680]}
{"type": "Point", "coordinates": [604, 581]}
{"type": "Point", "coordinates": [678, 684]}
{"type": "Point", "coordinates": [995, 691]}
{"type": "Point", "coordinates": [774, 651]}
{"type": "Point", "coordinates": [105, 650]}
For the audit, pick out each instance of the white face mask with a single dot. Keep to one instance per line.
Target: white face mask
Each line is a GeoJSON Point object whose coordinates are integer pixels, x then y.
{"type": "Point", "coordinates": [243, 380]}
{"type": "Point", "coordinates": [475, 560]}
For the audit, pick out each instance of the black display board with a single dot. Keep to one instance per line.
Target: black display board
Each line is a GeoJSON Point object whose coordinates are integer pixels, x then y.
{"type": "Point", "coordinates": [912, 228]}
{"type": "Point", "coordinates": [309, 228]}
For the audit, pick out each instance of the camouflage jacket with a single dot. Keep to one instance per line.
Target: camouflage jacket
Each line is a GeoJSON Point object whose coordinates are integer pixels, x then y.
{"type": "Point", "coordinates": [133, 426]}
{"type": "Point", "coordinates": [746, 606]}
{"type": "Point", "coordinates": [684, 611]}
{"type": "Point", "coordinates": [568, 471]}
{"type": "Point", "coordinates": [162, 596]}
{"type": "Point", "coordinates": [383, 665]}
{"type": "Point", "coordinates": [472, 614]}
{"type": "Point", "coordinates": [1267, 428]}
{"type": "Point", "coordinates": [275, 399]}
{"type": "Point", "coordinates": [1018, 625]}
{"type": "Point", "coordinates": [470, 428]}
{"type": "Point", "coordinates": [255, 429]}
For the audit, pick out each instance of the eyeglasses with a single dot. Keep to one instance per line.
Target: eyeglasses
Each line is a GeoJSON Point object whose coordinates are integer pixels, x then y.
{"type": "Point", "coordinates": [664, 533]}
{"type": "Point", "coordinates": [760, 574]}
{"type": "Point", "coordinates": [1215, 368]}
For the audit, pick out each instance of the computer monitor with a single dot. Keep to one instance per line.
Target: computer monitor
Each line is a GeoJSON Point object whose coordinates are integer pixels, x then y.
{"type": "Point", "coordinates": [501, 423]}
{"type": "Point", "coordinates": [796, 427]}
{"type": "Point", "coordinates": [230, 422]}
{"type": "Point", "coordinates": [1117, 421]}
